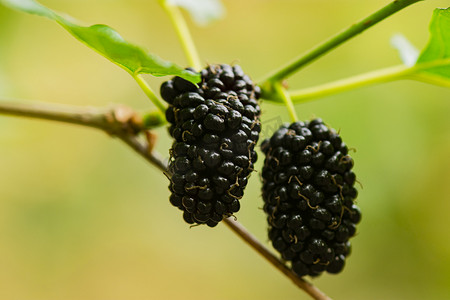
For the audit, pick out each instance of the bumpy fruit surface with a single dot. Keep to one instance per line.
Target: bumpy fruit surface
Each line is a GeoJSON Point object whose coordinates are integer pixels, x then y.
{"type": "Point", "coordinates": [308, 191]}
{"type": "Point", "coordinates": [215, 127]}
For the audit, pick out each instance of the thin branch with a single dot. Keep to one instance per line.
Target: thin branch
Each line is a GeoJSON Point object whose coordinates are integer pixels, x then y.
{"type": "Point", "coordinates": [121, 122]}
{"type": "Point", "coordinates": [338, 39]}
{"type": "Point", "coordinates": [141, 148]}
{"type": "Point", "coordinates": [261, 249]}
{"type": "Point", "coordinates": [91, 117]}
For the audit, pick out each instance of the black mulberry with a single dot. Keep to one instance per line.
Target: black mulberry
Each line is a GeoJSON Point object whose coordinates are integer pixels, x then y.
{"type": "Point", "coordinates": [308, 191]}
{"type": "Point", "coordinates": [215, 127]}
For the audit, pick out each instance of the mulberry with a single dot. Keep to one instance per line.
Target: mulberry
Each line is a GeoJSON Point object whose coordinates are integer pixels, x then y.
{"type": "Point", "coordinates": [308, 192]}
{"type": "Point", "coordinates": [215, 127]}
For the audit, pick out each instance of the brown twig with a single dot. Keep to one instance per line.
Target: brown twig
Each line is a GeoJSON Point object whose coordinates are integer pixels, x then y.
{"type": "Point", "coordinates": [91, 117]}
{"type": "Point", "coordinates": [141, 148]}
{"type": "Point", "coordinates": [119, 122]}
{"type": "Point", "coordinates": [261, 249]}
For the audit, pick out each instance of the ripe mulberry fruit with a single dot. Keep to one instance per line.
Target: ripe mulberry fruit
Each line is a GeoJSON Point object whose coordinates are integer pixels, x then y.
{"type": "Point", "coordinates": [308, 191]}
{"type": "Point", "coordinates": [215, 127]}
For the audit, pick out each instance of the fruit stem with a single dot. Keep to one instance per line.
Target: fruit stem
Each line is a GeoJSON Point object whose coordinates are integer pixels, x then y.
{"type": "Point", "coordinates": [149, 92]}
{"type": "Point", "coordinates": [337, 40]}
{"type": "Point", "coordinates": [284, 95]}
{"type": "Point", "coordinates": [183, 34]}
{"type": "Point", "coordinates": [373, 77]}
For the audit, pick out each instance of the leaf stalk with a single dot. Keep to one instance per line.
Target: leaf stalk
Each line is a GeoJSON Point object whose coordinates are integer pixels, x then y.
{"type": "Point", "coordinates": [149, 92]}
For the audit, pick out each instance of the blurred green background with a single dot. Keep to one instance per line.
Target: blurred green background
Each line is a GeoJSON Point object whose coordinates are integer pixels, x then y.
{"type": "Point", "coordinates": [83, 217]}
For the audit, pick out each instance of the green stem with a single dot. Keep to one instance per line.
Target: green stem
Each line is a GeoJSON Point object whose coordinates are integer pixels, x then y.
{"type": "Point", "coordinates": [183, 34]}
{"type": "Point", "coordinates": [284, 95]}
{"type": "Point", "coordinates": [149, 92]}
{"type": "Point", "coordinates": [374, 77]}
{"type": "Point", "coordinates": [153, 119]}
{"type": "Point", "coordinates": [339, 86]}
{"type": "Point", "coordinates": [338, 39]}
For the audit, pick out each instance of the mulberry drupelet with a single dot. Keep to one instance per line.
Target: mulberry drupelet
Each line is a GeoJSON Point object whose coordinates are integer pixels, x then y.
{"type": "Point", "coordinates": [215, 127]}
{"type": "Point", "coordinates": [308, 191]}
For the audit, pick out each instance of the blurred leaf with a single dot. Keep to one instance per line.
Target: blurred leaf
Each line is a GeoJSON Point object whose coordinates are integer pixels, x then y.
{"type": "Point", "coordinates": [29, 6]}
{"type": "Point", "coordinates": [202, 12]}
{"type": "Point", "coordinates": [408, 53]}
{"type": "Point", "coordinates": [108, 43]}
{"type": "Point", "coordinates": [434, 61]}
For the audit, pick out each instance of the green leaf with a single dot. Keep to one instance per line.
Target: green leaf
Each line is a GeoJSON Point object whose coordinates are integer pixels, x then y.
{"type": "Point", "coordinates": [433, 64]}
{"type": "Point", "coordinates": [108, 42]}
{"type": "Point", "coordinates": [202, 12]}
